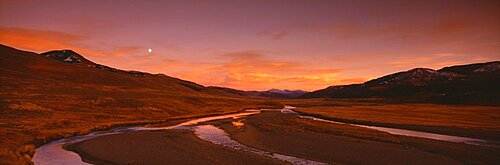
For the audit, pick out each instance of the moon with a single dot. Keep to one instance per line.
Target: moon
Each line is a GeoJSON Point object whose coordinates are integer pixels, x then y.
{"type": "Point", "coordinates": [150, 50]}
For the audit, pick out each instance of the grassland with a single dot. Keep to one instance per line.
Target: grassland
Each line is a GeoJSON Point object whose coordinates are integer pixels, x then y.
{"type": "Point", "coordinates": [462, 120]}
{"type": "Point", "coordinates": [42, 99]}
{"type": "Point", "coordinates": [346, 144]}
{"type": "Point", "coordinates": [286, 134]}
{"type": "Point", "coordinates": [30, 120]}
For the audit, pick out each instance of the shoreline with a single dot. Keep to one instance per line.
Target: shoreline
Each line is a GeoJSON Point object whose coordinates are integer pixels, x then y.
{"type": "Point", "coordinates": [335, 143]}
{"type": "Point", "coordinates": [418, 144]}
{"type": "Point", "coordinates": [177, 147]}
{"type": "Point", "coordinates": [171, 121]}
{"type": "Point", "coordinates": [283, 134]}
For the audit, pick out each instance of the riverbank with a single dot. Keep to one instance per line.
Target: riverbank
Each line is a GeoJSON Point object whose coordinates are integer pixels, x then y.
{"type": "Point", "coordinates": [174, 146]}
{"type": "Point", "coordinates": [345, 144]}
{"type": "Point", "coordinates": [289, 135]}
{"type": "Point", "coordinates": [473, 121]}
{"type": "Point", "coordinates": [32, 129]}
{"type": "Point", "coordinates": [23, 131]}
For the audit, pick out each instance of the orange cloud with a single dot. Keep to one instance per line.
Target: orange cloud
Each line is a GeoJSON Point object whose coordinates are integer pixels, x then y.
{"type": "Point", "coordinates": [38, 40]}
{"type": "Point", "coordinates": [256, 70]}
{"type": "Point", "coordinates": [422, 61]}
{"type": "Point", "coordinates": [43, 40]}
{"type": "Point", "coordinates": [250, 70]}
{"type": "Point", "coordinates": [121, 51]}
{"type": "Point", "coordinates": [436, 61]}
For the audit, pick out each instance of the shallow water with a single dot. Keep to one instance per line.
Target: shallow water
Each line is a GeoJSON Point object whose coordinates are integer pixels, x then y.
{"type": "Point", "coordinates": [54, 154]}
{"type": "Point", "coordinates": [218, 136]}
{"type": "Point", "coordinates": [450, 138]}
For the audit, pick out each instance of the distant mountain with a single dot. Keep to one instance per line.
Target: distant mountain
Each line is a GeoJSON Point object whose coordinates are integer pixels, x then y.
{"type": "Point", "coordinates": [272, 93]}
{"type": "Point", "coordinates": [474, 83]}
{"type": "Point", "coordinates": [277, 93]}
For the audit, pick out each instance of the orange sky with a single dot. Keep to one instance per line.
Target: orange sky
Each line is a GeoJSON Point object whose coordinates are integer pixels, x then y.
{"type": "Point", "coordinates": [258, 45]}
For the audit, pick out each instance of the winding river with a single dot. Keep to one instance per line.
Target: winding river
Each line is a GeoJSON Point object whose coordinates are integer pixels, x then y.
{"type": "Point", "coordinates": [53, 153]}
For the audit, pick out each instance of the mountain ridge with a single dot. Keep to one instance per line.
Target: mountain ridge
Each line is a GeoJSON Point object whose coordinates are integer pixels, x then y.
{"type": "Point", "coordinates": [454, 84]}
{"type": "Point", "coordinates": [70, 57]}
{"type": "Point", "coordinates": [67, 65]}
{"type": "Point", "coordinates": [271, 93]}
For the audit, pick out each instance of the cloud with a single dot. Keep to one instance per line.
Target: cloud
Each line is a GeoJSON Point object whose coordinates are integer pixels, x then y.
{"type": "Point", "coordinates": [441, 28]}
{"type": "Point", "coordinates": [274, 35]}
{"type": "Point", "coordinates": [436, 61]}
{"type": "Point", "coordinates": [246, 55]}
{"type": "Point", "coordinates": [248, 70]}
{"type": "Point", "coordinates": [421, 61]}
{"type": "Point", "coordinates": [91, 26]}
{"type": "Point", "coordinates": [45, 40]}
{"type": "Point", "coordinates": [279, 36]}
{"type": "Point", "coordinates": [264, 81]}
{"type": "Point", "coordinates": [38, 40]}
{"type": "Point", "coordinates": [256, 70]}
{"type": "Point", "coordinates": [122, 51]}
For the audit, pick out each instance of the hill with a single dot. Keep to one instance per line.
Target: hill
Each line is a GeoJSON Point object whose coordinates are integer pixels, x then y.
{"type": "Point", "coordinates": [463, 84]}
{"type": "Point", "coordinates": [61, 93]}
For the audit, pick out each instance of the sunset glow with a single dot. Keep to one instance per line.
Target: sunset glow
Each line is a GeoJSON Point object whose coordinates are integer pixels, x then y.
{"type": "Point", "coordinates": [259, 45]}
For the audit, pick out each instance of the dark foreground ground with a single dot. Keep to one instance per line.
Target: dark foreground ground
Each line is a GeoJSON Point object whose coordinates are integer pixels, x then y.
{"type": "Point", "coordinates": [284, 134]}
{"type": "Point", "coordinates": [161, 147]}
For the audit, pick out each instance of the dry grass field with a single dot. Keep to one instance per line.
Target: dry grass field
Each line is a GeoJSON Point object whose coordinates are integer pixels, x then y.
{"type": "Point", "coordinates": [42, 99]}
{"type": "Point", "coordinates": [461, 120]}
{"type": "Point", "coordinates": [27, 122]}
{"type": "Point", "coordinates": [346, 144]}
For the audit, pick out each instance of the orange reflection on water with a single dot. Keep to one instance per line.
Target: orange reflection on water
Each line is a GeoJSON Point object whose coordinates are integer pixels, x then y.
{"type": "Point", "coordinates": [238, 124]}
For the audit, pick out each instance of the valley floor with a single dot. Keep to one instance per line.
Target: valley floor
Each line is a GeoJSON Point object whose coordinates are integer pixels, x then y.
{"type": "Point", "coordinates": [474, 121]}
{"type": "Point", "coordinates": [284, 134]}
{"type": "Point", "coordinates": [23, 130]}
{"type": "Point", "coordinates": [161, 147]}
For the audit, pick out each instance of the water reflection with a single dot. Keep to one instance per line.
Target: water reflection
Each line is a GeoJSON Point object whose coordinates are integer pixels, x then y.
{"type": "Point", "coordinates": [53, 154]}
{"type": "Point", "coordinates": [456, 139]}
{"type": "Point", "coordinates": [238, 124]}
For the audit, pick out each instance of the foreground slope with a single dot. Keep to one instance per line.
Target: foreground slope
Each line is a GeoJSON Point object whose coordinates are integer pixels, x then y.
{"type": "Point", "coordinates": [60, 93]}
{"type": "Point", "coordinates": [469, 84]}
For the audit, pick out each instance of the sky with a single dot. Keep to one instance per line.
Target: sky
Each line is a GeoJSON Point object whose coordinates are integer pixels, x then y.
{"type": "Point", "coordinates": [260, 44]}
